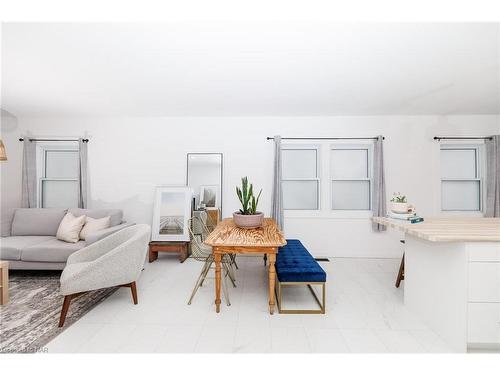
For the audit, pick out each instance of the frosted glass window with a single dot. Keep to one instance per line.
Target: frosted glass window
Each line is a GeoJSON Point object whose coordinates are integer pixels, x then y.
{"type": "Point", "coordinates": [460, 195]}
{"type": "Point", "coordinates": [345, 164]}
{"type": "Point", "coordinates": [299, 164]}
{"type": "Point", "coordinates": [59, 193]}
{"type": "Point", "coordinates": [458, 163]}
{"type": "Point", "coordinates": [351, 195]}
{"type": "Point", "coordinates": [300, 180]}
{"type": "Point", "coordinates": [58, 172]}
{"type": "Point", "coordinates": [61, 164]}
{"type": "Point", "coordinates": [350, 177]}
{"type": "Point", "coordinates": [300, 195]}
{"type": "Point", "coordinates": [460, 178]}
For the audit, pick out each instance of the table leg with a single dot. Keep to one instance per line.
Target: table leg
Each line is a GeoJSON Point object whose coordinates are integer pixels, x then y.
{"type": "Point", "coordinates": [272, 279]}
{"type": "Point", "coordinates": [4, 285]}
{"type": "Point", "coordinates": [217, 259]}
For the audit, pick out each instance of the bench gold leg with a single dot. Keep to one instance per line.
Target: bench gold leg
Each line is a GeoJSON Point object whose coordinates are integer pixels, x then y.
{"type": "Point", "coordinates": [321, 304]}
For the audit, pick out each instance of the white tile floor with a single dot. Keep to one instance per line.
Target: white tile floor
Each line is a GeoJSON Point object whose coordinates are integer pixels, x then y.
{"type": "Point", "coordinates": [365, 313]}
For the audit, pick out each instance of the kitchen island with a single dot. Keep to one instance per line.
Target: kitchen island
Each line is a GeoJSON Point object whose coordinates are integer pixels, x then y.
{"type": "Point", "coordinates": [452, 278]}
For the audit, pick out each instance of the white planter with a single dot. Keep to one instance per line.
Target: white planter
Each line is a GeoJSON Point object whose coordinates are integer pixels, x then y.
{"type": "Point", "coordinates": [248, 221]}
{"type": "Point", "coordinates": [399, 208]}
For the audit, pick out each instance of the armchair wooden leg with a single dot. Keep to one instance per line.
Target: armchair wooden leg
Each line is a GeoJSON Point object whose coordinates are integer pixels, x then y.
{"type": "Point", "coordinates": [64, 310]}
{"type": "Point", "coordinates": [65, 306]}
{"type": "Point", "coordinates": [70, 297]}
{"type": "Point", "coordinates": [133, 289]}
{"type": "Point", "coordinates": [134, 292]}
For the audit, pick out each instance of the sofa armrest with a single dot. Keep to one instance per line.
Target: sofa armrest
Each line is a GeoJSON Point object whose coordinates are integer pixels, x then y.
{"type": "Point", "coordinates": [99, 235]}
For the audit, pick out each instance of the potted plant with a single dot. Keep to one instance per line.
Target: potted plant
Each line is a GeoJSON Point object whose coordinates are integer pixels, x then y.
{"type": "Point", "coordinates": [247, 216]}
{"type": "Point", "coordinates": [399, 203]}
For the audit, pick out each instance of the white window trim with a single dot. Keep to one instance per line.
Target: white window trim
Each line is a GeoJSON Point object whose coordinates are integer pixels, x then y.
{"type": "Point", "coordinates": [41, 152]}
{"type": "Point", "coordinates": [480, 175]}
{"type": "Point", "coordinates": [357, 146]}
{"type": "Point", "coordinates": [317, 148]}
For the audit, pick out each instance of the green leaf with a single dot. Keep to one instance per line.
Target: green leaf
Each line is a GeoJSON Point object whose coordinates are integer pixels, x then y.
{"type": "Point", "coordinates": [246, 196]}
{"type": "Point", "coordinates": [257, 201]}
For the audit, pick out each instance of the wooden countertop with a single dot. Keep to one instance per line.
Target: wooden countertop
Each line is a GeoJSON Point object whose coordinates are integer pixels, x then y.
{"type": "Point", "coordinates": [448, 229]}
{"type": "Point", "coordinates": [226, 233]}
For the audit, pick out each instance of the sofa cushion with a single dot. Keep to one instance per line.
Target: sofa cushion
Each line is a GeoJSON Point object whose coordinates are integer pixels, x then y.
{"type": "Point", "coordinates": [37, 221]}
{"type": "Point", "coordinates": [299, 270]}
{"type": "Point", "coordinates": [11, 247]}
{"type": "Point", "coordinates": [52, 250]}
{"type": "Point", "coordinates": [293, 248]}
{"type": "Point", "coordinates": [295, 264]}
{"type": "Point", "coordinates": [116, 215]}
{"type": "Point", "coordinates": [6, 217]}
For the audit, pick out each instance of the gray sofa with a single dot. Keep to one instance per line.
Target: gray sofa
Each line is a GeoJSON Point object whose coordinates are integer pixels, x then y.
{"type": "Point", "coordinates": [29, 236]}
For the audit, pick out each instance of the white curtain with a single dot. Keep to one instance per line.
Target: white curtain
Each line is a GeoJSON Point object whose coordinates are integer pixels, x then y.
{"type": "Point", "coordinates": [379, 206]}
{"type": "Point", "coordinates": [493, 177]}
{"type": "Point", "coordinates": [82, 174]}
{"type": "Point", "coordinates": [28, 182]}
{"type": "Point", "coordinates": [277, 195]}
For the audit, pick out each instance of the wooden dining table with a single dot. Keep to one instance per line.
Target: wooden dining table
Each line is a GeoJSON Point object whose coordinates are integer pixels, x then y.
{"type": "Point", "coordinates": [227, 238]}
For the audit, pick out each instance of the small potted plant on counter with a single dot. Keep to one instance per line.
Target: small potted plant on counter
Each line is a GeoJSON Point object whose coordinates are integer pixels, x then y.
{"type": "Point", "coordinates": [399, 203]}
{"type": "Point", "coordinates": [247, 216]}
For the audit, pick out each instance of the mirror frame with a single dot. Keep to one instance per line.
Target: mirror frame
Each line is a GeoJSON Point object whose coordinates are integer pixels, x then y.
{"type": "Point", "coordinates": [221, 174]}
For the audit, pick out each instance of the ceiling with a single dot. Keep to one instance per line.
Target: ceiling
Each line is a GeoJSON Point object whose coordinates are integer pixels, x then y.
{"type": "Point", "coordinates": [250, 69]}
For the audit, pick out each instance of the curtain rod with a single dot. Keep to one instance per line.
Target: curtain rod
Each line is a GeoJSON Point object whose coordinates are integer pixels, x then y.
{"type": "Point", "coordinates": [464, 138]}
{"type": "Point", "coordinates": [324, 138]}
{"type": "Point", "coordinates": [85, 140]}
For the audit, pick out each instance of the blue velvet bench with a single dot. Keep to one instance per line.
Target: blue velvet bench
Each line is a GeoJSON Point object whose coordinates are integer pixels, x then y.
{"type": "Point", "coordinates": [296, 266]}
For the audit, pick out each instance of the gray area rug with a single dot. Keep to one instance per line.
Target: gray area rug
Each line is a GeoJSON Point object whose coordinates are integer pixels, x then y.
{"type": "Point", "coordinates": [29, 321]}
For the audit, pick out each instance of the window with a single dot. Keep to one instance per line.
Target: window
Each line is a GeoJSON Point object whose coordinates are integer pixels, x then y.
{"type": "Point", "coordinates": [300, 181]}
{"type": "Point", "coordinates": [460, 178]}
{"type": "Point", "coordinates": [350, 174]}
{"type": "Point", "coordinates": [58, 171]}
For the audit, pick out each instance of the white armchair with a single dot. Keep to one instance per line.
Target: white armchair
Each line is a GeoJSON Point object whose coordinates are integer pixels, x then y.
{"type": "Point", "coordinates": [116, 260]}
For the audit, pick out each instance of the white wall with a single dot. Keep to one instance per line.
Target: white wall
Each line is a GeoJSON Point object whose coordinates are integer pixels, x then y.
{"type": "Point", "coordinates": [10, 170]}
{"type": "Point", "coordinates": [129, 156]}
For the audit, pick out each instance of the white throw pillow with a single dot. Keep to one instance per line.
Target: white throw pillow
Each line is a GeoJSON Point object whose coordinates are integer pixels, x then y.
{"type": "Point", "coordinates": [93, 225]}
{"type": "Point", "coordinates": [70, 227]}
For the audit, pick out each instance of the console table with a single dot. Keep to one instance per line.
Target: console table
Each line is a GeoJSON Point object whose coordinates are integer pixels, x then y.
{"type": "Point", "coordinates": [171, 247]}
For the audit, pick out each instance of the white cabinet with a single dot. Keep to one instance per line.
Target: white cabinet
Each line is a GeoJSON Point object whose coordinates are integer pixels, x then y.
{"type": "Point", "coordinates": [483, 323]}
{"type": "Point", "coordinates": [483, 302]}
{"type": "Point", "coordinates": [484, 282]}
{"type": "Point", "coordinates": [484, 252]}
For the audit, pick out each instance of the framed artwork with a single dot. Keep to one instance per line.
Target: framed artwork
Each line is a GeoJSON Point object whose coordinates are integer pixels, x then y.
{"type": "Point", "coordinates": [171, 213]}
{"type": "Point", "coordinates": [209, 196]}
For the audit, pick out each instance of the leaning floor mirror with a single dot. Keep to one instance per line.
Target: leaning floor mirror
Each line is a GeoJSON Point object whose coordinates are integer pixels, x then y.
{"type": "Point", "coordinates": [204, 177]}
